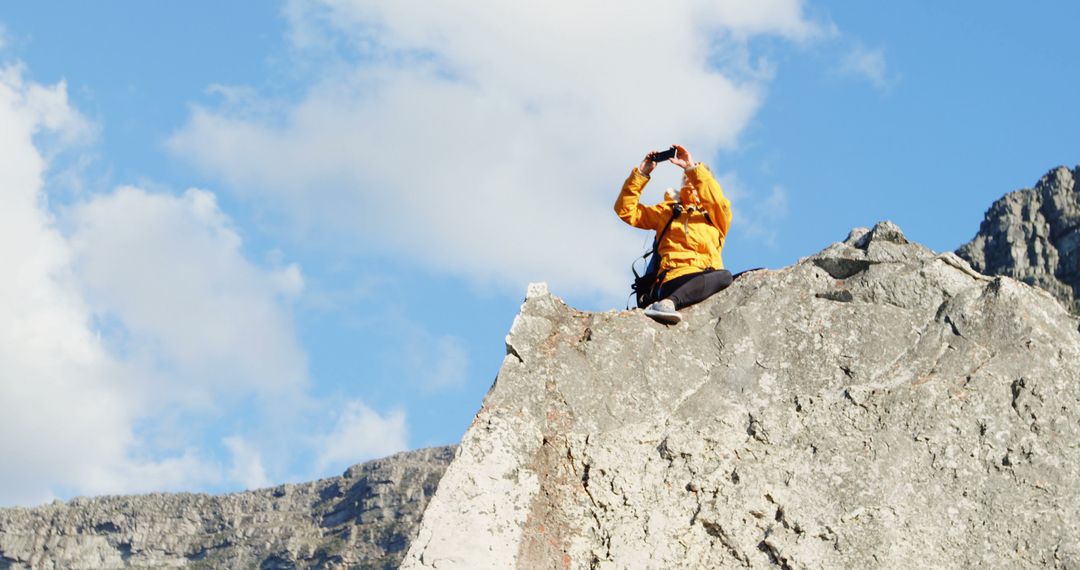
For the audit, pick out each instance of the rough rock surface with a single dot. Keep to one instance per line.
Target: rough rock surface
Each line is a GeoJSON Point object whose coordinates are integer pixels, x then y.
{"type": "Point", "coordinates": [1034, 235]}
{"type": "Point", "coordinates": [876, 405]}
{"type": "Point", "coordinates": [366, 518]}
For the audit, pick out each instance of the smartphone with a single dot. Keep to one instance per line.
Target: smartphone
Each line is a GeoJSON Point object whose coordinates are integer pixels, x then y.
{"type": "Point", "coordinates": [664, 155]}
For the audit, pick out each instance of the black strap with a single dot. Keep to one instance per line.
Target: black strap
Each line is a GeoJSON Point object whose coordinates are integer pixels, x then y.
{"type": "Point", "coordinates": [676, 211]}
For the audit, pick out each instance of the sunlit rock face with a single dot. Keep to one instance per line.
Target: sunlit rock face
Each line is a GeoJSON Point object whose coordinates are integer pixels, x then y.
{"type": "Point", "coordinates": [876, 405]}
{"type": "Point", "coordinates": [365, 518]}
{"type": "Point", "coordinates": [1034, 235]}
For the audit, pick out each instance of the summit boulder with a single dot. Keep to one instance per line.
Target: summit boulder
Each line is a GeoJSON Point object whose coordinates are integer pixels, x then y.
{"type": "Point", "coordinates": [876, 405]}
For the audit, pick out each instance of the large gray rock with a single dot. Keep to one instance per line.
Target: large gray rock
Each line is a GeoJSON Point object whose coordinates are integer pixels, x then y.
{"type": "Point", "coordinates": [876, 405]}
{"type": "Point", "coordinates": [366, 518]}
{"type": "Point", "coordinates": [1034, 235]}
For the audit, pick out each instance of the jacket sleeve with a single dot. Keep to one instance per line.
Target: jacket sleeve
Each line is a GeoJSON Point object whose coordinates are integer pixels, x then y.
{"type": "Point", "coordinates": [629, 208]}
{"type": "Point", "coordinates": [712, 197]}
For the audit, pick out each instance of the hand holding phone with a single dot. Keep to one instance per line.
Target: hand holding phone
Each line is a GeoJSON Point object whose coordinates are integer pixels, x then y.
{"type": "Point", "coordinates": [663, 155]}
{"type": "Point", "coordinates": [682, 157]}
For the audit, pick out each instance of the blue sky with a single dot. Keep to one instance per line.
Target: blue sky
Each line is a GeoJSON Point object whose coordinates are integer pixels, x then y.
{"type": "Point", "coordinates": [259, 242]}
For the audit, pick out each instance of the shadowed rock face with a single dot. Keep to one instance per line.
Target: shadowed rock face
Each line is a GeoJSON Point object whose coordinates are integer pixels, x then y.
{"type": "Point", "coordinates": [874, 405]}
{"type": "Point", "coordinates": [365, 518]}
{"type": "Point", "coordinates": [1034, 235]}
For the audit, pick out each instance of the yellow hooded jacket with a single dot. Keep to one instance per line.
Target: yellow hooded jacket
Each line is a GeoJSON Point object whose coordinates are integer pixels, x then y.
{"type": "Point", "coordinates": [691, 244]}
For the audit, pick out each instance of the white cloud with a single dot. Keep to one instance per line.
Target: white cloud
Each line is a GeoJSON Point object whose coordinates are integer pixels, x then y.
{"type": "Point", "coordinates": [360, 433]}
{"type": "Point", "coordinates": [45, 108]}
{"type": "Point", "coordinates": [290, 280]}
{"type": "Point", "coordinates": [68, 417]}
{"type": "Point", "coordinates": [126, 472]}
{"type": "Point", "coordinates": [867, 64]}
{"type": "Point", "coordinates": [172, 270]}
{"type": "Point", "coordinates": [489, 139]}
{"type": "Point", "coordinates": [125, 338]}
{"type": "Point", "coordinates": [247, 467]}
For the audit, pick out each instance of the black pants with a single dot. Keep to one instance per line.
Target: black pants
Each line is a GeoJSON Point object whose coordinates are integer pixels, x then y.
{"type": "Point", "coordinates": [695, 287]}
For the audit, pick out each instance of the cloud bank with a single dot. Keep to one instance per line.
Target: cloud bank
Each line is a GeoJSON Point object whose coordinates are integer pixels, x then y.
{"type": "Point", "coordinates": [489, 139]}
{"type": "Point", "coordinates": [66, 410]}
{"type": "Point", "coordinates": [131, 324]}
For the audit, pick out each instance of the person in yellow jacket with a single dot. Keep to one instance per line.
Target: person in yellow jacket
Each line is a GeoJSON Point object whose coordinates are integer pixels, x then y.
{"type": "Point", "coordinates": [691, 267]}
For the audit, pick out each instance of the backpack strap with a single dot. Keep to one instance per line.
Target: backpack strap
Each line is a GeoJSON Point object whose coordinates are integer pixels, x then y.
{"type": "Point", "coordinates": [676, 211]}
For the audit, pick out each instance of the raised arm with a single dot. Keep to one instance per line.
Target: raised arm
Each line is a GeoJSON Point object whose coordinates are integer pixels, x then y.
{"type": "Point", "coordinates": [712, 196]}
{"type": "Point", "coordinates": [628, 205]}
{"type": "Point", "coordinates": [708, 189]}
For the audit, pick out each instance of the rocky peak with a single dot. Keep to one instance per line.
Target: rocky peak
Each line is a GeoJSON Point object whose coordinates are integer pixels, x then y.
{"type": "Point", "coordinates": [874, 405]}
{"type": "Point", "coordinates": [1034, 235]}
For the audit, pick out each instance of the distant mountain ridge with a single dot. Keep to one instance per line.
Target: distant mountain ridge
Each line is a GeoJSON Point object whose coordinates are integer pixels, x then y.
{"type": "Point", "coordinates": [1033, 235]}
{"type": "Point", "coordinates": [365, 518]}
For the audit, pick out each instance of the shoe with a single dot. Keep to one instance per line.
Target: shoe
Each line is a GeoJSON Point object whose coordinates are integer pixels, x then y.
{"type": "Point", "coordinates": [664, 311]}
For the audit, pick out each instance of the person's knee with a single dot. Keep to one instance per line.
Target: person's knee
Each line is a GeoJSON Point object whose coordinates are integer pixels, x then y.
{"type": "Point", "coordinates": [724, 278]}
